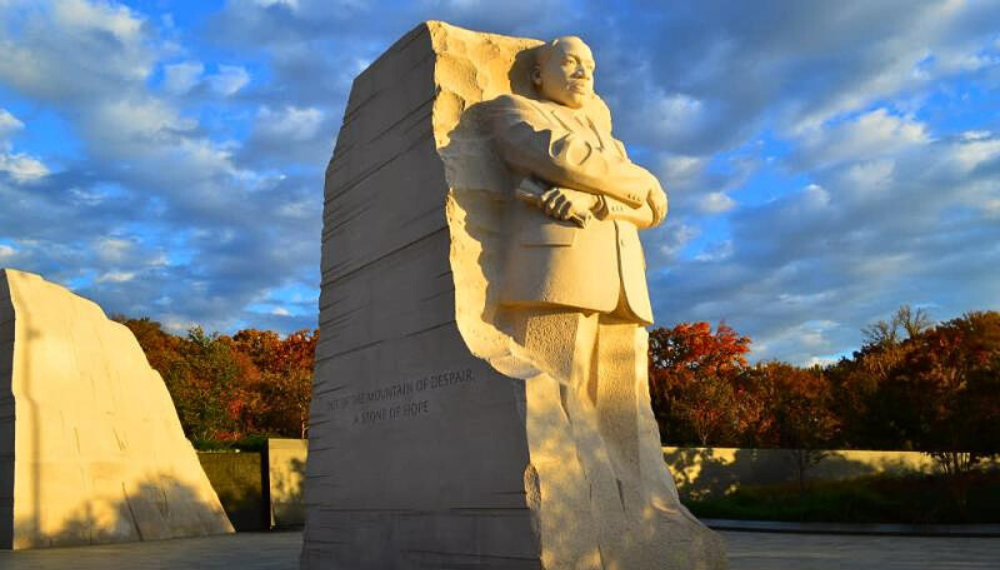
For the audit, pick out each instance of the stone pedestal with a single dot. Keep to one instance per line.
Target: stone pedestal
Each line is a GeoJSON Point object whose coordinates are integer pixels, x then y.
{"type": "Point", "coordinates": [435, 440]}
{"type": "Point", "coordinates": [91, 449]}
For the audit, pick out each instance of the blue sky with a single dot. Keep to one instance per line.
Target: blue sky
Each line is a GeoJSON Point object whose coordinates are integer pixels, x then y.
{"type": "Point", "coordinates": [826, 161]}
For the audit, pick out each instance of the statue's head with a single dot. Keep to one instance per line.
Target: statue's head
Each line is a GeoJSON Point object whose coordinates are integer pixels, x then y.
{"type": "Point", "coordinates": [564, 72]}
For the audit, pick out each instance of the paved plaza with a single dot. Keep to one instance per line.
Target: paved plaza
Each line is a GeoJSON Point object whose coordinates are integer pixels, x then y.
{"type": "Point", "coordinates": [747, 551]}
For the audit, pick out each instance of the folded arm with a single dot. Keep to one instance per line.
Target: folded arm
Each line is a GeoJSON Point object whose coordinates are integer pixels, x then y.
{"type": "Point", "coordinates": [531, 144]}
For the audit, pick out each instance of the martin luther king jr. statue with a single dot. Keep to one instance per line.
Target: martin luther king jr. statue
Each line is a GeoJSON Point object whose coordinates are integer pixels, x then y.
{"type": "Point", "coordinates": [583, 199]}
{"type": "Point", "coordinates": [573, 297]}
{"type": "Point", "coordinates": [481, 395]}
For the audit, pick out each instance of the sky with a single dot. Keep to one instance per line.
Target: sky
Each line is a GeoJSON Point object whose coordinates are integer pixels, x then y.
{"type": "Point", "coordinates": [826, 162]}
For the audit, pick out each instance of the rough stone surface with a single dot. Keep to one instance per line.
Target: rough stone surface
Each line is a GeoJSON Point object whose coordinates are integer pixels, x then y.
{"type": "Point", "coordinates": [436, 441]}
{"type": "Point", "coordinates": [91, 449]}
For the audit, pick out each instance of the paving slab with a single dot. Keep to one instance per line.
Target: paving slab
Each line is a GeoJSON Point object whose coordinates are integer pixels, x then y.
{"type": "Point", "coordinates": [241, 551]}
{"type": "Point", "coordinates": [773, 551]}
{"type": "Point", "coordinates": [747, 551]}
{"type": "Point", "coordinates": [953, 530]}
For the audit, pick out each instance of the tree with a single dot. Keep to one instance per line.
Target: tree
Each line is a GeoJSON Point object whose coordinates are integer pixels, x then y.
{"type": "Point", "coordinates": [228, 388]}
{"type": "Point", "coordinates": [858, 383]}
{"type": "Point", "coordinates": [888, 332]}
{"type": "Point", "coordinates": [286, 383]}
{"type": "Point", "coordinates": [947, 391]}
{"type": "Point", "coordinates": [691, 373]}
{"type": "Point", "coordinates": [802, 420]}
{"type": "Point", "coordinates": [216, 399]}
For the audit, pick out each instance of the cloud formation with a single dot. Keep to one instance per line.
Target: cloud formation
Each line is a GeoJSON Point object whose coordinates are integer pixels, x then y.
{"type": "Point", "coordinates": [826, 161]}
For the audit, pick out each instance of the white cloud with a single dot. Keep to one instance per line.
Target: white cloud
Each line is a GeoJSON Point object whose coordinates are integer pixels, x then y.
{"type": "Point", "coordinates": [135, 127]}
{"type": "Point", "coordinates": [6, 252]}
{"type": "Point", "coordinates": [804, 343]}
{"type": "Point", "coordinates": [668, 241]}
{"type": "Point", "coordinates": [821, 361]}
{"type": "Point", "coordinates": [22, 168]}
{"type": "Point", "coordinates": [680, 168]}
{"type": "Point", "coordinates": [292, 4]}
{"type": "Point", "coordinates": [975, 135]}
{"type": "Point", "coordinates": [229, 80]}
{"type": "Point", "coordinates": [179, 78]}
{"type": "Point", "coordinates": [873, 134]}
{"type": "Point", "coordinates": [117, 20]}
{"type": "Point", "coordinates": [116, 277]}
{"type": "Point", "coordinates": [716, 203]}
{"type": "Point", "coordinates": [665, 119]}
{"type": "Point", "coordinates": [112, 249]}
{"type": "Point", "coordinates": [301, 209]}
{"type": "Point", "coordinates": [289, 124]}
{"type": "Point", "coordinates": [178, 324]}
{"type": "Point", "coordinates": [280, 312]}
{"type": "Point", "coordinates": [676, 111]}
{"type": "Point", "coordinates": [87, 197]}
{"type": "Point", "coordinates": [71, 50]}
{"type": "Point", "coordinates": [9, 124]}
{"type": "Point", "coordinates": [815, 196]}
{"type": "Point", "coordinates": [716, 252]}
{"type": "Point", "coordinates": [870, 177]}
{"type": "Point", "coordinates": [971, 154]}
{"type": "Point", "coordinates": [877, 225]}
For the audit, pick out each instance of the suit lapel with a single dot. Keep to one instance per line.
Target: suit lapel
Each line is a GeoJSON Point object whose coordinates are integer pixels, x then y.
{"type": "Point", "coordinates": [577, 123]}
{"type": "Point", "coordinates": [593, 128]}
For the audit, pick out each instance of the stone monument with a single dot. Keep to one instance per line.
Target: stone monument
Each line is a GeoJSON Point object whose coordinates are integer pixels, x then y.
{"type": "Point", "coordinates": [91, 449]}
{"type": "Point", "coordinates": [480, 397]}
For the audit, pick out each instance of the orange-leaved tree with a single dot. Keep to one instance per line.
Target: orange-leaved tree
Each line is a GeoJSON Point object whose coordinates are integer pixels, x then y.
{"type": "Point", "coordinates": [692, 380]}
{"type": "Point", "coordinates": [227, 388]}
{"type": "Point", "coordinates": [285, 385]}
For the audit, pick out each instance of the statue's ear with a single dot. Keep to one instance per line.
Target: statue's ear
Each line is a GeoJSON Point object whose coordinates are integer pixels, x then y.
{"type": "Point", "coordinates": [536, 76]}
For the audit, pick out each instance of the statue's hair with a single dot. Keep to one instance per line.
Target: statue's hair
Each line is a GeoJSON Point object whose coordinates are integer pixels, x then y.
{"type": "Point", "coordinates": [545, 50]}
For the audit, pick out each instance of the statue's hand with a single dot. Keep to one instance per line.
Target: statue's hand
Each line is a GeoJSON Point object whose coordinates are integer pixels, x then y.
{"type": "Point", "coordinates": [566, 204]}
{"type": "Point", "coordinates": [657, 200]}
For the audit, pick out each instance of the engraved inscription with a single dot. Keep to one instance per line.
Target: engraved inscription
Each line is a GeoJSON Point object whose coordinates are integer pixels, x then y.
{"type": "Point", "coordinates": [380, 403]}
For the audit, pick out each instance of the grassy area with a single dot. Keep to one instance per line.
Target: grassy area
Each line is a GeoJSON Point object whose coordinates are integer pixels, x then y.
{"type": "Point", "coordinates": [918, 499]}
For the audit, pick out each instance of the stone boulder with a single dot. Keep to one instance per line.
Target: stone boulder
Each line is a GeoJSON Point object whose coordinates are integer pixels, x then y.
{"type": "Point", "coordinates": [91, 448]}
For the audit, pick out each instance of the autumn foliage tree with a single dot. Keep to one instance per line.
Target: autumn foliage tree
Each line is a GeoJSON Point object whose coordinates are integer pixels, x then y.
{"type": "Point", "coordinates": [285, 381]}
{"type": "Point", "coordinates": [943, 395]}
{"type": "Point", "coordinates": [798, 405]}
{"type": "Point", "coordinates": [911, 386]}
{"type": "Point", "coordinates": [228, 388]}
{"type": "Point", "coordinates": [692, 373]}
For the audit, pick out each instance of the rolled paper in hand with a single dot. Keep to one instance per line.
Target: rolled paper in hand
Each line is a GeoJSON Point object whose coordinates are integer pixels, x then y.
{"type": "Point", "coordinates": [531, 191]}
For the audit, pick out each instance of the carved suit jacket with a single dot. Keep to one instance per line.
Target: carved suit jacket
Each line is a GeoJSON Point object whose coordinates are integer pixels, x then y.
{"type": "Point", "coordinates": [599, 267]}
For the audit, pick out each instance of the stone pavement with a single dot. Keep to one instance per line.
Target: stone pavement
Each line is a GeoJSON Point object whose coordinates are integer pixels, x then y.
{"type": "Point", "coordinates": [774, 551]}
{"type": "Point", "coordinates": [747, 551]}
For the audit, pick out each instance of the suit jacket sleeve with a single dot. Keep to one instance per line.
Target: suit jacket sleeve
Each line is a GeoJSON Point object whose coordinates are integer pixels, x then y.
{"type": "Point", "coordinates": [644, 216]}
{"type": "Point", "coordinates": [534, 145]}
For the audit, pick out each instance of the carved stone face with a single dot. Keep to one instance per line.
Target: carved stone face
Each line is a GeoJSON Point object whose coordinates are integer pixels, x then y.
{"type": "Point", "coordinates": [565, 74]}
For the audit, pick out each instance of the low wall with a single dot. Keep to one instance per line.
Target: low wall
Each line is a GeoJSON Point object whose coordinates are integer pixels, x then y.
{"type": "Point", "coordinates": [260, 491]}
{"type": "Point", "coordinates": [708, 471]}
{"type": "Point", "coordinates": [237, 480]}
{"type": "Point", "coordinates": [286, 473]}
